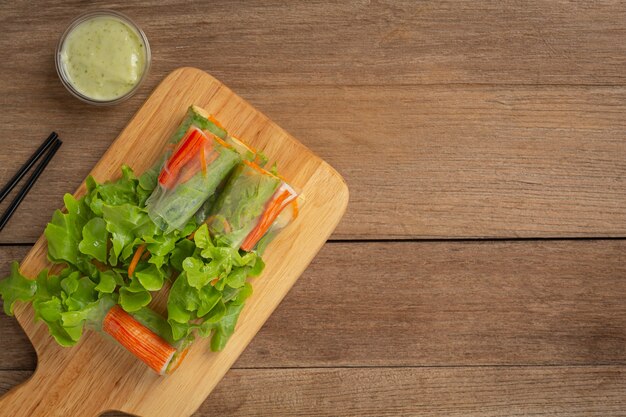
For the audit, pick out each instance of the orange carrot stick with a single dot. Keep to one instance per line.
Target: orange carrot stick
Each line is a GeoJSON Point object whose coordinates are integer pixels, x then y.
{"type": "Point", "coordinates": [135, 260]}
{"type": "Point", "coordinates": [142, 342]}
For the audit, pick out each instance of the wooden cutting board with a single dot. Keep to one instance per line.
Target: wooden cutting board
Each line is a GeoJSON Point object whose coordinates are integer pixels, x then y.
{"type": "Point", "coordinates": [98, 375]}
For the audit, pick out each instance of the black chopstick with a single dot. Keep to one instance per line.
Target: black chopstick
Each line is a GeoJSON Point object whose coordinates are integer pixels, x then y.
{"type": "Point", "coordinates": [53, 148]}
{"type": "Point", "coordinates": [24, 169]}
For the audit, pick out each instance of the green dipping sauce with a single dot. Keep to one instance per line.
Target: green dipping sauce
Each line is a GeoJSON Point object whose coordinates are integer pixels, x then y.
{"type": "Point", "coordinates": [104, 58]}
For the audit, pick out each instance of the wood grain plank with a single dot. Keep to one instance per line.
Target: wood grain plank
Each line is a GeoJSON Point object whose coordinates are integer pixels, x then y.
{"type": "Point", "coordinates": [454, 392]}
{"type": "Point", "coordinates": [352, 42]}
{"type": "Point", "coordinates": [467, 162]}
{"type": "Point", "coordinates": [435, 304]}
{"type": "Point", "coordinates": [421, 161]}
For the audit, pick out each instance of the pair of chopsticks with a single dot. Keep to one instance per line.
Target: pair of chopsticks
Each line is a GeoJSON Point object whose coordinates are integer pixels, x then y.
{"type": "Point", "coordinates": [46, 151]}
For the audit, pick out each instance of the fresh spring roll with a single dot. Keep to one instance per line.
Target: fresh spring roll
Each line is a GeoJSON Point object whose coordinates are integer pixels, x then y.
{"type": "Point", "coordinates": [249, 205]}
{"type": "Point", "coordinates": [190, 175]}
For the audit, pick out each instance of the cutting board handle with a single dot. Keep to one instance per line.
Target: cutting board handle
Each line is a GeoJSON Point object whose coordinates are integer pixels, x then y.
{"type": "Point", "coordinates": [40, 396]}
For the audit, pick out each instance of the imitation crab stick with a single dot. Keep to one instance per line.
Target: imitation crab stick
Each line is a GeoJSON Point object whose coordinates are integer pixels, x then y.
{"type": "Point", "coordinates": [188, 148]}
{"type": "Point", "coordinates": [142, 342]}
{"type": "Point", "coordinates": [284, 196]}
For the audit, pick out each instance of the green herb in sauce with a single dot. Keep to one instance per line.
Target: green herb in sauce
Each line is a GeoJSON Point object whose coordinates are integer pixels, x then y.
{"type": "Point", "coordinates": [103, 58]}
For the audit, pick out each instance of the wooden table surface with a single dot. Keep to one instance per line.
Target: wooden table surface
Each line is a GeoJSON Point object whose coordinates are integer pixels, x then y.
{"type": "Point", "coordinates": [480, 268]}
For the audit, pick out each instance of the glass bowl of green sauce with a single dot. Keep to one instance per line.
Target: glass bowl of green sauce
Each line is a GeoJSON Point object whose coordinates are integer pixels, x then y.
{"type": "Point", "coordinates": [103, 57]}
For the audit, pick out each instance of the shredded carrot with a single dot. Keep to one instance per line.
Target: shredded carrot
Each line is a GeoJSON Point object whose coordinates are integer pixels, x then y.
{"type": "Point", "coordinates": [203, 161]}
{"type": "Point", "coordinates": [259, 169]}
{"type": "Point", "coordinates": [221, 142]}
{"type": "Point", "coordinates": [296, 209]}
{"type": "Point", "coordinates": [215, 121]}
{"type": "Point", "coordinates": [135, 260]}
{"type": "Point", "coordinates": [214, 281]}
{"type": "Point", "coordinates": [190, 172]}
{"type": "Point", "coordinates": [217, 139]}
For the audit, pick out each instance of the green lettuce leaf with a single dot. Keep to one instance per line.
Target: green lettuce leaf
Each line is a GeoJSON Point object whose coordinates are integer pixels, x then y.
{"type": "Point", "coordinates": [226, 326]}
{"type": "Point", "coordinates": [95, 238]}
{"type": "Point", "coordinates": [201, 237]}
{"type": "Point", "coordinates": [215, 314]}
{"type": "Point", "coordinates": [48, 310]}
{"type": "Point", "coordinates": [199, 274]}
{"type": "Point", "coordinates": [64, 232]}
{"type": "Point", "coordinates": [209, 297]}
{"type": "Point", "coordinates": [133, 301]}
{"type": "Point", "coordinates": [84, 293]}
{"type": "Point", "coordinates": [108, 281]}
{"type": "Point", "coordinates": [150, 277]}
{"type": "Point", "coordinates": [126, 223]}
{"type": "Point", "coordinates": [91, 312]}
{"type": "Point", "coordinates": [64, 337]}
{"type": "Point", "coordinates": [237, 277]}
{"type": "Point", "coordinates": [16, 287]}
{"type": "Point", "coordinates": [183, 250]}
{"type": "Point", "coordinates": [183, 301]}
{"type": "Point", "coordinates": [179, 330]}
